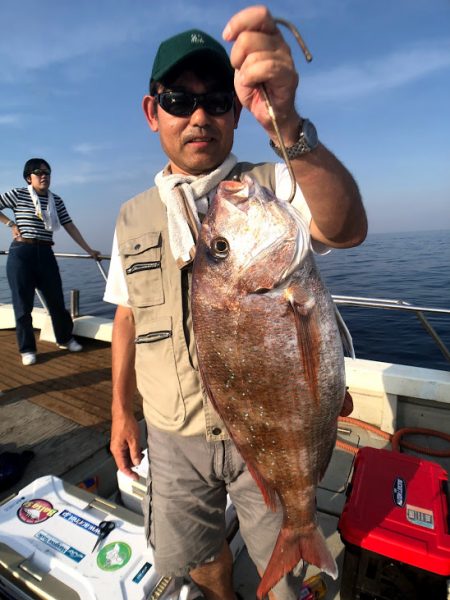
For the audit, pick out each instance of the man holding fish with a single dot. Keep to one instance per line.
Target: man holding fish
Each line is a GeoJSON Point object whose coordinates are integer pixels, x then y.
{"type": "Point", "coordinates": [200, 443]}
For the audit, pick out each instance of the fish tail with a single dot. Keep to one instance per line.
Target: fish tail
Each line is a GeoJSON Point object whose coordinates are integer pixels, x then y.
{"type": "Point", "coordinates": [289, 550]}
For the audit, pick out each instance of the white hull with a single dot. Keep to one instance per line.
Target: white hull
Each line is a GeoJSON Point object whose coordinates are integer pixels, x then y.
{"type": "Point", "coordinates": [95, 328]}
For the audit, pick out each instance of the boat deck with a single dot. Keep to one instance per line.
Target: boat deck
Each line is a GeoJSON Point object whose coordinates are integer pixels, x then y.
{"type": "Point", "coordinates": [59, 407]}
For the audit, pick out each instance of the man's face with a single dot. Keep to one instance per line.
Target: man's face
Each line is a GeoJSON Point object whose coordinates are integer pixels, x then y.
{"type": "Point", "coordinates": [194, 144]}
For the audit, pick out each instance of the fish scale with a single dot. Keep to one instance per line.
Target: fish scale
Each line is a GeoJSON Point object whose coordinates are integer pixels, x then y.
{"type": "Point", "coordinates": [270, 357]}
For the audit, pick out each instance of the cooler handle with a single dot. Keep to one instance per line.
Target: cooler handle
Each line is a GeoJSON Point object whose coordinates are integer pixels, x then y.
{"type": "Point", "coordinates": [22, 574]}
{"type": "Point", "coordinates": [445, 489]}
{"type": "Point", "coordinates": [102, 505]}
{"type": "Point", "coordinates": [28, 567]}
{"type": "Point", "coordinates": [40, 582]}
{"type": "Point", "coordinates": [117, 512]}
{"type": "Point", "coordinates": [138, 491]}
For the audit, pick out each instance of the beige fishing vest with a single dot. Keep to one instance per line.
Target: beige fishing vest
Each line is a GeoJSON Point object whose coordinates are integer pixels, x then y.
{"type": "Point", "coordinates": [159, 295]}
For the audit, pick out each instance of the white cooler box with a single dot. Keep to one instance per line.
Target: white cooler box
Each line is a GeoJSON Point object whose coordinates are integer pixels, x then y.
{"type": "Point", "coordinates": [132, 493]}
{"type": "Point", "coordinates": [47, 534]}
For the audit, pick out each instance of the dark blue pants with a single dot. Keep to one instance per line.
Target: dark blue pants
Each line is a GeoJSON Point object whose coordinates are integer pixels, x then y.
{"type": "Point", "coordinates": [31, 266]}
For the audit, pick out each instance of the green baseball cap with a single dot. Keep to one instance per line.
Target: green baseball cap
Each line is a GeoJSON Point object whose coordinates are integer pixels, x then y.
{"type": "Point", "coordinates": [188, 44]}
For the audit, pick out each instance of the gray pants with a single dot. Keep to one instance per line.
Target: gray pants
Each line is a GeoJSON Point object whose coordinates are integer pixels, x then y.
{"type": "Point", "coordinates": [188, 482]}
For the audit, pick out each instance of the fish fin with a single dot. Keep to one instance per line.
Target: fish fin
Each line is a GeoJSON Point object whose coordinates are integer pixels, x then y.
{"type": "Point", "coordinates": [289, 550]}
{"type": "Point", "coordinates": [269, 494]}
{"type": "Point", "coordinates": [346, 337]}
{"type": "Point", "coordinates": [347, 406]}
{"type": "Point", "coordinates": [206, 388]}
{"type": "Point", "coordinates": [307, 335]}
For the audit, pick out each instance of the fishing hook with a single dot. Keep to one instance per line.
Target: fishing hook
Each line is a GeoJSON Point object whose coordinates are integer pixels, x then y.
{"type": "Point", "coordinates": [308, 57]}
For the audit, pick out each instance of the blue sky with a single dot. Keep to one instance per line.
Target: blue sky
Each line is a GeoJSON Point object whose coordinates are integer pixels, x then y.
{"type": "Point", "coordinates": [73, 74]}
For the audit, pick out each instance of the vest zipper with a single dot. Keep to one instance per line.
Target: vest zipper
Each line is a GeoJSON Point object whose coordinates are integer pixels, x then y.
{"type": "Point", "coordinates": [153, 336]}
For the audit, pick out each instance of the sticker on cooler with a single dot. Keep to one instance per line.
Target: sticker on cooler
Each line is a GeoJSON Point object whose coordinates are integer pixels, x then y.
{"type": "Point", "coordinates": [142, 572]}
{"type": "Point", "coordinates": [399, 491]}
{"type": "Point", "coordinates": [113, 556]}
{"type": "Point", "coordinates": [77, 520]}
{"type": "Point", "coordinates": [59, 546]}
{"type": "Point", "coordinates": [36, 511]}
{"type": "Point", "coordinates": [420, 516]}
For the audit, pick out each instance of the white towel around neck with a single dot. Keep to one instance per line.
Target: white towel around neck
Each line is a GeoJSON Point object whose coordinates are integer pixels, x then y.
{"type": "Point", "coordinates": [49, 216]}
{"type": "Point", "coordinates": [195, 190]}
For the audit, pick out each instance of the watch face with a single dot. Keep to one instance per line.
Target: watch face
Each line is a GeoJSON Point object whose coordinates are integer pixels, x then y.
{"type": "Point", "coordinates": [310, 133]}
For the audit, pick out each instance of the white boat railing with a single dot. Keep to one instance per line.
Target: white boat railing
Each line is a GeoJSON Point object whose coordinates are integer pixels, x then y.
{"type": "Point", "coordinates": [76, 255]}
{"type": "Point", "coordinates": [401, 305]}
{"type": "Point", "coordinates": [353, 301]}
{"type": "Point", "coordinates": [86, 256]}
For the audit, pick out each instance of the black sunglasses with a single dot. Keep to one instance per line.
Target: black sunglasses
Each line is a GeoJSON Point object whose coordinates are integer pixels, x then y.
{"type": "Point", "coordinates": [183, 104]}
{"type": "Point", "coordinates": [40, 172]}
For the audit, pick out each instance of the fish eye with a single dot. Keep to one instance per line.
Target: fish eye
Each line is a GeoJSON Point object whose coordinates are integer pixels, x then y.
{"type": "Point", "coordinates": [220, 247]}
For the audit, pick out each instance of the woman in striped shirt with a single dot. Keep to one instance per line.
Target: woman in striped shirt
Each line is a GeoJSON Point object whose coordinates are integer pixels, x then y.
{"type": "Point", "coordinates": [31, 263]}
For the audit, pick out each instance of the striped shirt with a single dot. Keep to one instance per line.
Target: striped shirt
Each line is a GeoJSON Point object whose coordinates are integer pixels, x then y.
{"type": "Point", "coordinates": [30, 225]}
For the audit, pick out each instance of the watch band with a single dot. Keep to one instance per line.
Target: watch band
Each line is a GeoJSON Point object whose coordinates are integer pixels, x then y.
{"type": "Point", "coordinates": [299, 148]}
{"type": "Point", "coordinates": [305, 143]}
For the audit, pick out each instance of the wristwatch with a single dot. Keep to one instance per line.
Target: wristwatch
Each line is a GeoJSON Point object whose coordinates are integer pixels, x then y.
{"type": "Point", "coordinates": [307, 141]}
{"type": "Point", "coordinates": [10, 224]}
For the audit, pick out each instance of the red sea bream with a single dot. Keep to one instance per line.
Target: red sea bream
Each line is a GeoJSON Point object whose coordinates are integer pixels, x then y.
{"type": "Point", "coordinates": [271, 357]}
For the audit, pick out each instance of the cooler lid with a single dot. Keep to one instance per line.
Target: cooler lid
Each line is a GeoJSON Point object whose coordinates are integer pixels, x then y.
{"type": "Point", "coordinates": [47, 536]}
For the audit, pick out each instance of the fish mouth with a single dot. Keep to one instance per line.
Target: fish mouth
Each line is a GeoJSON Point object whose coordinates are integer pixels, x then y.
{"type": "Point", "coordinates": [236, 194]}
{"type": "Point", "coordinates": [235, 191]}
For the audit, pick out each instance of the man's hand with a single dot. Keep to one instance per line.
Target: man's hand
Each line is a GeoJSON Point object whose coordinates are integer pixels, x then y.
{"type": "Point", "coordinates": [125, 446]}
{"type": "Point", "coordinates": [261, 56]}
{"type": "Point", "coordinates": [124, 429]}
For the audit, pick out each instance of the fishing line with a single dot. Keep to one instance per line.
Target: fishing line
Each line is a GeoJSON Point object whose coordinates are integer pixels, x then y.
{"type": "Point", "coordinates": [308, 57]}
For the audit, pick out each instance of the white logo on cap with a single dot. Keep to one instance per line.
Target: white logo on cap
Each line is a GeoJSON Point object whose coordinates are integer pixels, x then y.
{"type": "Point", "coordinates": [196, 38]}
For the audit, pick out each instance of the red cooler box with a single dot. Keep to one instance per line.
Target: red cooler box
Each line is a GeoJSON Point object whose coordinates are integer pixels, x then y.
{"type": "Point", "coordinates": [395, 527]}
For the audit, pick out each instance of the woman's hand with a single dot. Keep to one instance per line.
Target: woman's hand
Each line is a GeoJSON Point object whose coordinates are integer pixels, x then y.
{"type": "Point", "coordinates": [16, 233]}
{"type": "Point", "coordinates": [94, 253]}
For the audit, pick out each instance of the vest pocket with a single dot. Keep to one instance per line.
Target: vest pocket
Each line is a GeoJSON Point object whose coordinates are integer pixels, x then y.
{"type": "Point", "coordinates": [157, 374]}
{"type": "Point", "coordinates": [141, 258]}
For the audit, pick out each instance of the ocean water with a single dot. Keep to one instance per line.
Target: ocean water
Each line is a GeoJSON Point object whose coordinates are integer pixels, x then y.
{"type": "Point", "coordinates": [413, 267]}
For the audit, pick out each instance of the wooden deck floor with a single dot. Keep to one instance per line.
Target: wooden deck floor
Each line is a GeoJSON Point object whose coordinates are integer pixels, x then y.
{"type": "Point", "coordinates": [59, 407]}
